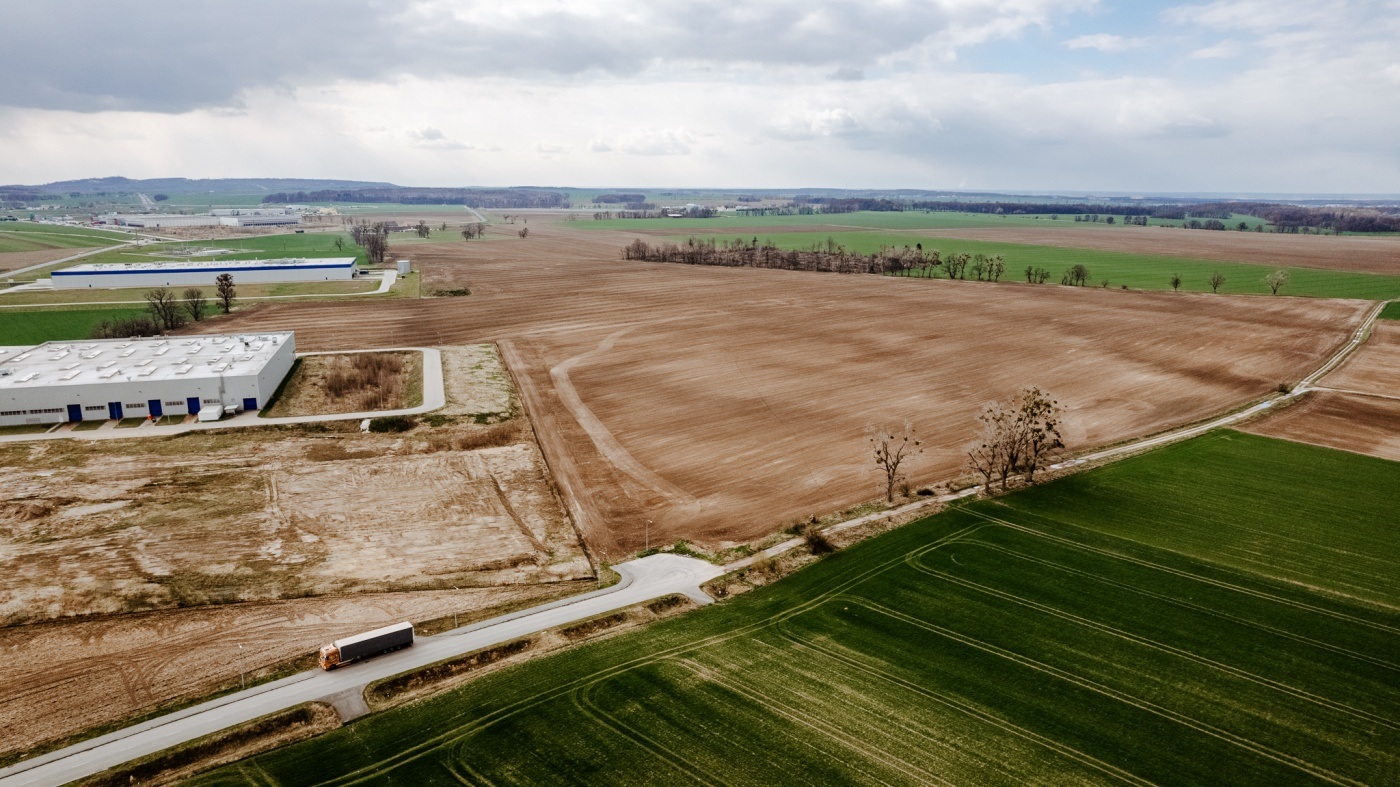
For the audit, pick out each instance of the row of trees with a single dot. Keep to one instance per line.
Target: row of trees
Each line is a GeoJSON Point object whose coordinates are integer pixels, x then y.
{"type": "Point", "coordinates": [167, 311]}
{"type": "Point", "coordinates": [374, 239]}
{"type": "Point", "coordinates": [494, 199]}
{"type": "Point", "coordinates": [830, 257]}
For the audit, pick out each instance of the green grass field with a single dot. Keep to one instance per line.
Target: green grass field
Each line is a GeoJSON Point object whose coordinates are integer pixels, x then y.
{"type": "Point", "coordinates": [51, 325]}
{"type": "Point", "coordinates": [25, 236]}
{"type": "Point", "coordinates": [1215, 612]}
{"type": "Point", "coordinates": [1138, 271]}
{"type": "Point", "coordinates": [906, 220]}
{"type": "Point", "coordinates": [1391, 311]}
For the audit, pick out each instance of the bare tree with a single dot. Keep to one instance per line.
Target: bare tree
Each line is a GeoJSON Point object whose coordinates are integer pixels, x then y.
{"type": "Point", "coordinates": [223, 290]}
{"type": "Point", "coordinates": [524, 232]}
{"type": "Point", "coordinates": [1076, 276]}
{"type": "Point", "coordinates": [375, 240]}
{"type": "Point", "coordinates": [1217, 279]}
{"type": "Point", "coordinates": [1276, 280]}
{"type": "Point", "coordinates": [1016, 437]}
{"type": "Point", "coordinates": [196, 303]}
{"type": "Point", "coordinates": [164, 309]}
{"type": "Point", "coordinates": [475, 230]}
{"type": "Point", "coordinates": [422, 229]}
{"type": "Point", "coordinates": [891, 449]}
{"type": "Point", "coordinates": [340, 244]}
{"type": "Point", "coordinates": [1176, 282]}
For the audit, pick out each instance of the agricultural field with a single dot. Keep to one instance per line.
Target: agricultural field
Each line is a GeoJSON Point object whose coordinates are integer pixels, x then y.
{"type": "Point", "coordinates": [1136, 271]}
{"type": "Point", "coordinates": [1375, 367]}
{"type": "Point", "coordinates": [50, 325]}
{"type": "Point", "coordinates": [889, 220]}
{"type": "Point", "coordinates": [701, 398]}
{"type": "Point", "coordinates": [1363, 424]}
{"type": "Point", "coordinates": [1244, 630]}
{"type": "Point", "coordinates": [26, 236]}
{"type": "Point", "coordinates": [1391, 311]}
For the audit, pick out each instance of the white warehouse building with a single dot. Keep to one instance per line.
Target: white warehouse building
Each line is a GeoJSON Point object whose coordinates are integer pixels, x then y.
{"type": "Point", "coordinates": [102, 379]}
{"type": "Point", "coordinates": [202, 273]}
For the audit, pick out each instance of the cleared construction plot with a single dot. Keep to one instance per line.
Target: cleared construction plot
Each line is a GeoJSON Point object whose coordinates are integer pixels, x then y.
{"type": "Point", "coordinates": [723, 404]}
{"type": "Point", "coordinates": [132, 569]}
{"type": "Point", "coordinates": [1244, 630]}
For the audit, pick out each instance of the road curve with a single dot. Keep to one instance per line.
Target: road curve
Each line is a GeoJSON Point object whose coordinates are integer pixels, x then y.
{"type": "Point", "coordinates": [643, 579]}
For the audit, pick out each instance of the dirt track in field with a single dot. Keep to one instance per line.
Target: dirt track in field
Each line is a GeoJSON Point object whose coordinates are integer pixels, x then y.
{"type": "Point", "coordinates": [64, 677]}
{"type": "Point", "coordinates": [1361, 424]}
{"type": "Point", "coordinates": [1375, 368]}
{"type": "Point", "coordinates": [723, 403]}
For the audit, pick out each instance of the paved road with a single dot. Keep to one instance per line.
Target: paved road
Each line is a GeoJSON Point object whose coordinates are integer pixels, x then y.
{"type": "Point", "coordinates": [434, 397]}
{"type": "Point", "coordinates": [642, 580]}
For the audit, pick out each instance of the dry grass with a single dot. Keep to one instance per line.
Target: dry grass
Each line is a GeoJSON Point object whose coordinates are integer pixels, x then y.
{"type": "Point", "coordinates": [350, 383]}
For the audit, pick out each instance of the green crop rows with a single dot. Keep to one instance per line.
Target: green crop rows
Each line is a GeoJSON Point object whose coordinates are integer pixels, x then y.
{"type": "Point", "coordinates": [51, 325]}
{"type": "Point", "coordinates": [24, 236]}
{"type": "Point", "coordinates": [1137, 271]}
{"type": "Point", "coordinates": [1210, 613]}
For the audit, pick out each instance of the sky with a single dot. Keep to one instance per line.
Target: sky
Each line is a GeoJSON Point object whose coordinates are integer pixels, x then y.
{"type": "Point", "coordinates": [1227, 96]}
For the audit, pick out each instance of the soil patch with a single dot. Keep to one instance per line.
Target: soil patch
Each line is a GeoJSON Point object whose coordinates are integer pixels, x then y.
{"type": "Point", "coordinates": [1361, 424]}
{"type": "Point", "coordinates": [1375, 368]}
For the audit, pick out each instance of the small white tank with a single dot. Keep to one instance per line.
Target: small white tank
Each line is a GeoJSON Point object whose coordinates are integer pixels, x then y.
{"type": "Point", "coordinates": [403, 267]}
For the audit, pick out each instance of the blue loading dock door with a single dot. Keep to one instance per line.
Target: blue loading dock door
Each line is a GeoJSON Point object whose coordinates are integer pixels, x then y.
{"type": "Point", "coordinates": [192, 404]}
{"type": "Point", "coordinates": [153, 406]}
{"type": "Point", "coordinates": [75, 412]}
{"type": "Point", "coordinates": [249, 403]}
{"type": "Point", "coordinates": [114, 411]}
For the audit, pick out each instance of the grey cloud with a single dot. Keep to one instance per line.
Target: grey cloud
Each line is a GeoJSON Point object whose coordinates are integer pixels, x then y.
{"type": "Point", "coordinates": [175, 55]}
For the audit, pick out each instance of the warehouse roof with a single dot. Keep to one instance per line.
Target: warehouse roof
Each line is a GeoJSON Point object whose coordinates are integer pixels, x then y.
{"type": "Point", "coordinates": [204, 266]}
{"type": "Point", "coordinates": [138, 360]}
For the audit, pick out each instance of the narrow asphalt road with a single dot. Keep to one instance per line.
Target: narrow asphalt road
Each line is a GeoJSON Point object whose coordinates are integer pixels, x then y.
{"type": "Point", "coordinates": [643, 579]}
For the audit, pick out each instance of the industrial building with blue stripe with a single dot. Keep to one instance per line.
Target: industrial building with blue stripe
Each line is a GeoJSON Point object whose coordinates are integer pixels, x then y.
{"type": "Point", "coordinates": [205, 376]}
{"type": "Point", "coordinates": [202, 273]}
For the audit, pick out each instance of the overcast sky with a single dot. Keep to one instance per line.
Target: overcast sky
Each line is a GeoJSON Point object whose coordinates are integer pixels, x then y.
{"type": "Point", "coordinates": [1122, 95]}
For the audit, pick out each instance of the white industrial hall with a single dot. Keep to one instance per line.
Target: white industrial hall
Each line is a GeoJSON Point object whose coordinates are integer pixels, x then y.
{"type": "Point", "coordinates": [139, 378]}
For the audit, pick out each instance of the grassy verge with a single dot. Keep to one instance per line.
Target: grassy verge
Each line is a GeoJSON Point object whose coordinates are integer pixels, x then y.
{"type": "Point", "coordinates": [25, 429]}
{"type": "Point", "coordinates": [36, 327]}
{"type": "Point", "coordinates": [1210, 612]}
{"type": "Point", "coordinates": [185, 760]}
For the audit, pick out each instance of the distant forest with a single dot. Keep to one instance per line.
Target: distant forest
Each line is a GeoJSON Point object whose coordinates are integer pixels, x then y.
{"type": "Point", "coordinates": [472, 198]}
{"type": "Point", "coordinates": [1285, 218]}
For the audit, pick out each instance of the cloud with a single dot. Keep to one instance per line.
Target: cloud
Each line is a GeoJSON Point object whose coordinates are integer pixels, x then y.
{"type": "Point", "coordinates": [174, 56]}
{"type": "Point", "coordinates": [433, 139]}
{"type": "Point", "coordinates": [1105, 42]}
{"type": "Point", "coordinates": [848, 74]}
{"type": "Point", "coordinates": [1222, 50]}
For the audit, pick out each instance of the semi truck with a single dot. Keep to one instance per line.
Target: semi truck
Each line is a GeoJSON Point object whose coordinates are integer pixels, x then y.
{"type": "Point", "coordinates": [363, 646]}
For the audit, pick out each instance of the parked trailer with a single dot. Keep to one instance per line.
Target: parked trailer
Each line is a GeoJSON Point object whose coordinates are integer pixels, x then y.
{"type": "Point", "coordinates": [363, 646]}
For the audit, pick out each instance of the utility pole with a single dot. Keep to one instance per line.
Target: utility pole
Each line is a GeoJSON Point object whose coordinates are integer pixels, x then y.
{"type": "Point", "coordinates": [454, 612]}
{"type": "Point", "coordinates": [242, 683]}
{"type": "Point", "coordinates": [647, 548]}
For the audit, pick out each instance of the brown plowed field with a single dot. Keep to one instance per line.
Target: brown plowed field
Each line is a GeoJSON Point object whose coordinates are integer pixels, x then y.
{"type": "Point", "coordinates": [14, 260]}
{"type": "Point", "coordinates": [1362, 424]}
{"type": "Point", "coordinates": [60, 678]}
{"type": "Point", "coordinates": [1375, 368]}
{"type": "Point", "coordinates": [722, 403]}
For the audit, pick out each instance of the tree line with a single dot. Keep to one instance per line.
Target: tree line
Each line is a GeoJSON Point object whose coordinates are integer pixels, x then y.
{"type": "Point", "coordinates": [476, 198]}
{"type": "Point", "coordinates": [167, 311]}
{"type": "Point", "coordinates": [830, 257]}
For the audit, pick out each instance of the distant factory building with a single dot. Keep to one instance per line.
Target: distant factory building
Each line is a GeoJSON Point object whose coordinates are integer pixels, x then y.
{"type": "Point", "coordinates": [104, 379]}
{"type": "Point", "coordinates": [202, 272]}
{"type": "Point", "coordinates": [224, 217]}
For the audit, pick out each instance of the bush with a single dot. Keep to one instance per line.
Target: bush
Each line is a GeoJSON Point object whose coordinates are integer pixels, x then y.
{"type": "Point", "coordinates": [132, 327]}
{"type": "Point", "coordinates": [817, 540]}
{"type": "Point", "coordinates": [392, 423]}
